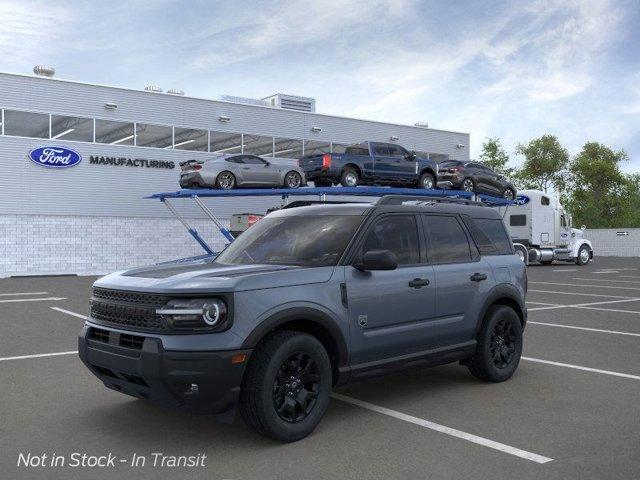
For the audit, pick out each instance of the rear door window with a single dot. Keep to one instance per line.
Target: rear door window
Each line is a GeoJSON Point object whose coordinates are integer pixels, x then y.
{"type": "Point", "coordinates": [447, 241]}
{"type": "Point", "coordinates": [490, 235]}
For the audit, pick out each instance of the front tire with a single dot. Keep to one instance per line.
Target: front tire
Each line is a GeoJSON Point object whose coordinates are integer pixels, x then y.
{"type": "Point", "coordinates": [293, 180]}
{"type": "Point", "coordinates": [499, 345]}
{"type": "Point", "coordinates": [427, 181]}
{"type": "Point", "coordinates": [584, 255]}
{"type": "Point", "coordinates": [285, 390]}
{"type": "Point", "coordinates": [225, 180]}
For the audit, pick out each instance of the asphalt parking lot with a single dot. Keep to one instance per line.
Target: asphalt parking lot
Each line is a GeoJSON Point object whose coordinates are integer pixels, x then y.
{"type": "Point", "coordinates": [571, 411]}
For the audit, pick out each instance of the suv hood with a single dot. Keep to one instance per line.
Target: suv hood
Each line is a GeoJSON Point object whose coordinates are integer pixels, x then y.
{"type": "Point", "coordinates": [198, 276]}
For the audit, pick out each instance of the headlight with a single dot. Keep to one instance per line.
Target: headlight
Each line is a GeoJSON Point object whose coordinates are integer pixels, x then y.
{"type": "Point", "coordinates": [208, 314]}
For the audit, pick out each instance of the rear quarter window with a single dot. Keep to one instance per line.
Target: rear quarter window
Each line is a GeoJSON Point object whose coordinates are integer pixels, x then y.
{"type": "Point", "coordinates": [489, 235]}
{"type": "Point", "coordinates": [446, 240]}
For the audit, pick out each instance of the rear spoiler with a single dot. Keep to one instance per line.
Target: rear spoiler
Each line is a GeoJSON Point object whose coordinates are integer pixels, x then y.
{"type": "Point", "coordinates": [190, 162]}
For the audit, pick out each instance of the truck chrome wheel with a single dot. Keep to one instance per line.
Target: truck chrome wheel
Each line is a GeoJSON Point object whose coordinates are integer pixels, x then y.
{"type": "Point", "coordinates": [503, 344]}
{"type": "Point", "coordinates": [293, 180]}
{"type": "Point", "coordinates": [427, 182]}
{"type": "Point", "coordinates": [351, 179]}
{"type": "Point", "coordinates": [296, 386]}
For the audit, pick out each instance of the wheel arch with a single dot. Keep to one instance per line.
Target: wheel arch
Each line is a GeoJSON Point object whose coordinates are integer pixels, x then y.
{"type": "Point", "coordinates": [355, 167]}
{"type": "Point", "coordinates": [430, 171]}
{"type": "Point", "coordinates": [307, 320]}
{"type": "Point", "coordinates": [506, 295]}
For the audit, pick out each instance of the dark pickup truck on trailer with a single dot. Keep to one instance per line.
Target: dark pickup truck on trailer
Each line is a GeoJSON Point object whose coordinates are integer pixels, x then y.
{"type": "Point", "coordinates": [370, 163]}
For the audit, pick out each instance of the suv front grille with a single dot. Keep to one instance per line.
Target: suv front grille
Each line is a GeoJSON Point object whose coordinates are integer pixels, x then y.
{"type": "Point", "coordinates": [131, 310]}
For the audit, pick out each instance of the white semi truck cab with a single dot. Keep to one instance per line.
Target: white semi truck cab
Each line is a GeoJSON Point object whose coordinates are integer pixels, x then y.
{"type": "Point", "coordinates": [541, 230]}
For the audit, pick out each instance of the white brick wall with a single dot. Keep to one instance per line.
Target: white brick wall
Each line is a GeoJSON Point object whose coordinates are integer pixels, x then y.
{"type": "Point", "coordinates": [607, 243]}
{"type": "Point", "coordinates": [37, 245]}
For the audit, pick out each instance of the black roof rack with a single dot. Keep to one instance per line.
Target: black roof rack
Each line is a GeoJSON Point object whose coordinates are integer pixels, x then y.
{"type": "Point", "coordinates": [306, 203]}
{"type": "Point", "coordinates": [399, 199]}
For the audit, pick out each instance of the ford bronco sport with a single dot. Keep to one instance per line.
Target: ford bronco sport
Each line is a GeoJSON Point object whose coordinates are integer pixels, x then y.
{"type": "Point", "coordinates": [309, 298]}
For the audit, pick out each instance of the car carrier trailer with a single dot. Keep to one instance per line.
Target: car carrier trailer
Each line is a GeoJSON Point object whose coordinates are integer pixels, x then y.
{"type": "Point", "coordinates": [410, 194]}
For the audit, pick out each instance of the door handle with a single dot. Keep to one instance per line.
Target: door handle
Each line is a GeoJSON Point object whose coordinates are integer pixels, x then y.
{"type": "Point", "coordinates": [246, 168]}
{"type": "Point", "coordinates": [478, 277]}
{"type": "Point", "coordinates": [418, 282]}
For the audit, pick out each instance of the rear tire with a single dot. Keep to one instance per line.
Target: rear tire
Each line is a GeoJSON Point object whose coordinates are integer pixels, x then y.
{"type": "Point", "coordinates": [468, 185]}
{"type": "Point", "coordinates": [225, 180]}
{"type": "Point", "coordinates": [499, 345]}
{"type": "Point", "coordinates": [282, 397]}
{"type": "Point", "coordinates": [349, 178]}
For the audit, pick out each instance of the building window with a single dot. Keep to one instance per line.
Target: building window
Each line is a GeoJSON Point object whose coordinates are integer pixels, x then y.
{"type": "Point", "coordinates": [157, 136]}
{"type": "Point", "coordinates": [72, 128]}
{"type": "Point", "coordinates": [312, 147]}
{"type": "Point", "coordinates": [258, 145]}
{"type": "Point", "coordinates": [114, 133]}
{"type": "Point", "coordinates": [287, 148]}
{"type": "Point", "coordinates": [190, 139]}
{"type": "Point", "coordinates": [26, 124]}
{"type": "Point", "coordinates": [224, 142]}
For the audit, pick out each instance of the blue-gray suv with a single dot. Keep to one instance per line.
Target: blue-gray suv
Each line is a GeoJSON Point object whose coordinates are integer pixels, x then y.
{"type": "Point", "coordinates": [311, 297]}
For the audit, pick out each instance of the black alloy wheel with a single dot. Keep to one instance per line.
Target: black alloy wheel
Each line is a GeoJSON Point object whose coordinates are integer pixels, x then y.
{"type": "Point", "coordinates": [503, 344]}
{"type": "Point", "coordinates": [296, 387]}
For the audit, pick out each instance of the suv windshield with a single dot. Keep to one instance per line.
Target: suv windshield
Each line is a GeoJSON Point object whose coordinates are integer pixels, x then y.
{"type": "Point", "coordinates": [307, 241]}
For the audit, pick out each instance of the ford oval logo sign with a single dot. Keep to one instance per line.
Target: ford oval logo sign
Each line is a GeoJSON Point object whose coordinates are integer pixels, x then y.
{"type": "Point", "coordinates": [521, 200]}
{"type": "Point", "coordinates": [55, 157]}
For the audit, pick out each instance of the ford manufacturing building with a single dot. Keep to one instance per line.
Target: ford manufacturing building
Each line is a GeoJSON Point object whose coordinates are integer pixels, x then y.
{"type": "Point", "coordinates": [93, 218]}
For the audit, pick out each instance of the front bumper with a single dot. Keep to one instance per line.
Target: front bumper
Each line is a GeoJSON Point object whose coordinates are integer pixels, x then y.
{"type": "Point", "coordinates": [139, 366]}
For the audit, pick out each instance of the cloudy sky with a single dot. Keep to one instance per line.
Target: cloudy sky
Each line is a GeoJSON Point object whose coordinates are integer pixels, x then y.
{"type": "Point", "coordinates": [514, 70]}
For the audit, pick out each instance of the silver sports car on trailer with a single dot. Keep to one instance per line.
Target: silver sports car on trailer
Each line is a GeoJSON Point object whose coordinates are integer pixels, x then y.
{"type": "Point", "coordinates": [241, 170]}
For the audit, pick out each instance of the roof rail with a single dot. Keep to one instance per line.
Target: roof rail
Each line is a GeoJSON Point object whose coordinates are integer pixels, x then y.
{"type": "Point", "coordinates": [307, 203]}
{"type": "Point", "coordinates": [399, 199]}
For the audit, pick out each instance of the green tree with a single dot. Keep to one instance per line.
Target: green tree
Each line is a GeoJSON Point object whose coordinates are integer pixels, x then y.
{"type": "Point", "coordinates": [545, 164]}
{"type": "Point", "coordinates": [495, 156]}
{"type": "Point", "coordinates": [632, 193]}
{"type": "Point", "coordinates": [600, 194]}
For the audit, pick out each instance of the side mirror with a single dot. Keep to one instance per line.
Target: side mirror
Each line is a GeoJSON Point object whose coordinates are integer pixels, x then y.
{"type": "Point", "coordinates": [267, 164]}
{"type": "Point", "coordinates": [377, 260]}
{"type": "Point", "coordinates": [410, 156]}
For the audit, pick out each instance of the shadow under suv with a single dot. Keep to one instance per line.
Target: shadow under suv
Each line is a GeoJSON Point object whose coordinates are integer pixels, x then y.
{"type": "Point", "coordinates": [307, 299]}
{"type": "Point", "coordinates": [475, 177]}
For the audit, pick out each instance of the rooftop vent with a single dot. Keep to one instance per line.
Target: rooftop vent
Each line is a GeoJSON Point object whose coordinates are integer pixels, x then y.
{"type": "Point", "coordinates": [422, 124]}
{"type": "Point", "coordinates": [175, 91]}
{"type": "Point", "coordinates": [153, 88]}
{"type": "Point", "coordinates": [44, 71]}
{"type": "Point", "coordinates": [292, 102]}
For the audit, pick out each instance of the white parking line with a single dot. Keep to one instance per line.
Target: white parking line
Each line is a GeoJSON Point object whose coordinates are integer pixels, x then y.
{"type": "Point", "coordinates": [584, 328]}
{"type": "Point", "coordinates": [583, 285]}
{"type": "Point", "coordinates": [578, 294]}
{"type": "Point", "coordinates": [579, 367]}
{"type": "Point", "coordinates": [39, 355]}
{"type": "Point", "coordinates": [22, 293]}
{"type": "Point", "coordinates": [485, 442]}
{"type": "Point", "coordinates": [605, 272]}
{"type": "Point", "coordinates": [73, 314]}
{"type": "Point", "coordinates": [607, 280]}
{"type": "Point", "coordinates": [47, 299]}
{"type": "Point", "coordinates": [608, 309]}
{"type": "Point", "coordinates": [538, 303]}
{"type": "Point", "coordinates": [629, 276]}
{"type": "Point", "coordinates": [585, 305]}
